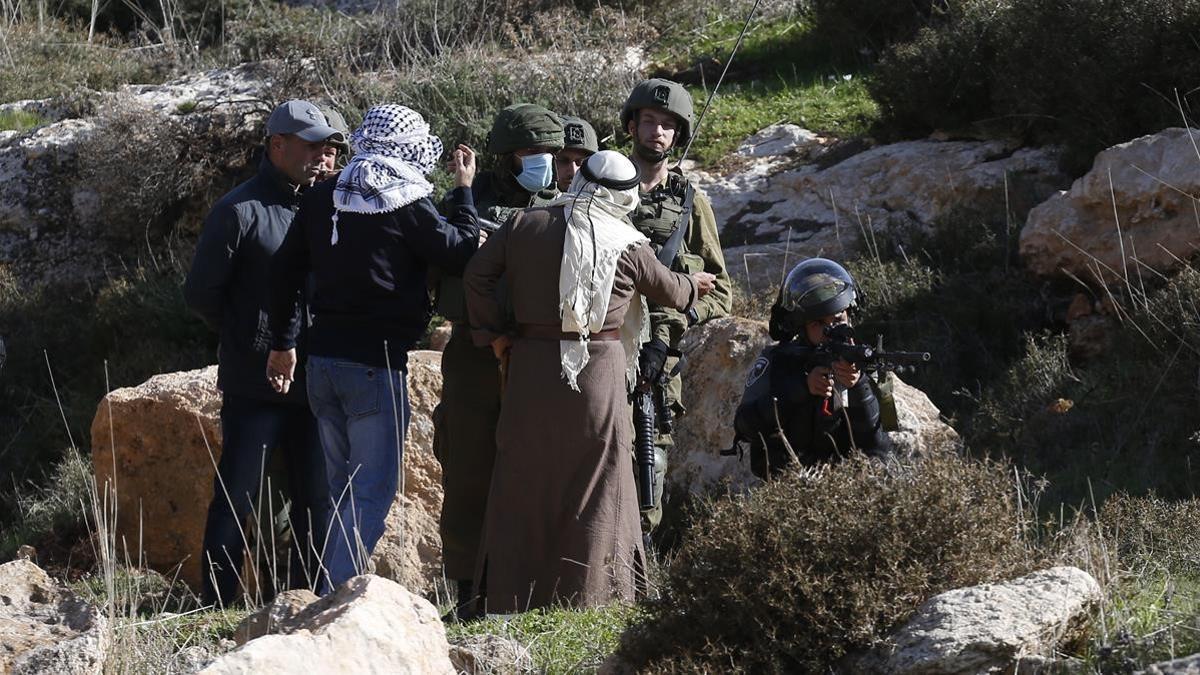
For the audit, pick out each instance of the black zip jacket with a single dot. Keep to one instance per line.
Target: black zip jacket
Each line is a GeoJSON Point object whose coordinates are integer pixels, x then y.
{"type": "Point", "coordinates": [777, 407]}
{"type": "Point", "coordinates": [371, 286]}
{"type": "Point", "coordinates": [227, 283]}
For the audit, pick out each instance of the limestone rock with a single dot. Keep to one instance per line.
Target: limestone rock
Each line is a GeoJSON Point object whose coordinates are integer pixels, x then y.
{"type": "Point", "coordinates": [45, 627]}
{"type": "Point", "coordinates": [1188, 665]}
{"type": "Point", "coordinates": [720, 355]}
{"type": "Point", "coordinates": [65, 196]}
{"type": "Point", "coordinates": [490, 654]}
{"type": "Point", "coordinates": [988, 628]}
{"type": "Point", "coordinates": [165, 428]}
{"type": "Point", "coordinates": [274, 616]}
{"type": "Point", "coordinates": [410, 550]}
{"type": "Point", "coordinates": [1149, 198]}
{"type": "Point", "coordinates": [151, 446]}
{"type": "Point", "coordinates": [777, 140]}
{"type": "Point", "coordinates": [785, 204]}
{"type": "Point", "coordinates": [367, 625]}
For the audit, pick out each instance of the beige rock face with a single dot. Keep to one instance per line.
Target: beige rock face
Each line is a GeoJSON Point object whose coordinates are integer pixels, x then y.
{"type": "Point", "coordinates": [46, 628]}
{"type": "Point", "coordinates": [791, 199]}
{"type": "Point", "coordinates": [720, 355]}
{"type": "Point", "coordinates": [275, 616]}
{"type": "Point", "coordinates": [163, 431]}
{"type": "Point", "coordinates": [1141, 189]}
{"type": "Point", "coordinates": [367, 625]}
{"type": "Point", "coordinates": [63, 197]}
{"type": "Point", "coordinates": [410, 550]}
{"type": "Point", "coordinates": [151, 445]}
{"type": "Point", "coordinates": [989, 628]}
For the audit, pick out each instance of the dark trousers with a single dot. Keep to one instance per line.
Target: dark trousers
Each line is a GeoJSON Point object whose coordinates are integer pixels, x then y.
{"type": "Point", "coordinates": [251, 430]}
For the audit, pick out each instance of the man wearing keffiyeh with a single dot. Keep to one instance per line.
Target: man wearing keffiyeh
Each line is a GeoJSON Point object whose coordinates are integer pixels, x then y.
{"type": "Point", "coordinates": [562, 521]}
{"type": "Point", "coordinates": [367, 240]}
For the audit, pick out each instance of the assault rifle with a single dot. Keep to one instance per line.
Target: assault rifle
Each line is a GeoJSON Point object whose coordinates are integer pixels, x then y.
{"type": "Point", "coordinates": [651, 416]}
{"type": "Point", "coordinates": [842, 346]}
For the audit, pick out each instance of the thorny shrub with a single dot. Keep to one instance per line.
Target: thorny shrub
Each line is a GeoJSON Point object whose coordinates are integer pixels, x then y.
{"type": "Point", "coordinates": [817, 564]}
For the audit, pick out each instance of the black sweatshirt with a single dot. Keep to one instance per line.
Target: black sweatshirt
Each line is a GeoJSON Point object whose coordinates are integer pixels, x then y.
{"type": "Point", "coordinates": [227, 282]}
{"type": "Point", "coordinates": [371, 286]}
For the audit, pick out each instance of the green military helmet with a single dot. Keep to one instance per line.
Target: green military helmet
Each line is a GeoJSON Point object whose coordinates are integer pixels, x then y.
{"type": "Point", "coordinates": [814, 289]}
{"type": "Point", "coordinates": [662, 95]}
{"type": "Point", "coordinates": [335, 120]}
{"type": "Point", "coordinates": [577, 133]}
{"type": "Point", "coordinates": [524, 125]}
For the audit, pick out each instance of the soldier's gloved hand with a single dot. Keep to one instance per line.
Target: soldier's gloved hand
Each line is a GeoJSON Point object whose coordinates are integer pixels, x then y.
{"type": "Point", "coordinates": [820, 382]}
{"type": "Point", "coordinates": [845, 373]}
{"type": "Point", "coordinates": [652, 360]}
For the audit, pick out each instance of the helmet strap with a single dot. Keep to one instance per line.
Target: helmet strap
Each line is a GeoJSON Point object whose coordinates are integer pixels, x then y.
{"type": "Point", "coordinates": [649, 155]}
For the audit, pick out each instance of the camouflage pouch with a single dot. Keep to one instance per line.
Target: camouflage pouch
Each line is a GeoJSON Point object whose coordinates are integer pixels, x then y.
{"type": "Point", "coordinates": [885, 392]}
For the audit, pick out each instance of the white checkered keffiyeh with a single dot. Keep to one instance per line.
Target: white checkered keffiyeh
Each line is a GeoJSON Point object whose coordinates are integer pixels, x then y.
{"type": "Point", "coordinates": [394, 152]}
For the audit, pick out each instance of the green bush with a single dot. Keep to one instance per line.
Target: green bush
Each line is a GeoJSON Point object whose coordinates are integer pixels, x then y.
{"type": "Point", "coordinates": [852, 25]}
{"type": "Point", "coordinates": [1092, 73]}
{"type": "Point", "coordinates": [817, 564]}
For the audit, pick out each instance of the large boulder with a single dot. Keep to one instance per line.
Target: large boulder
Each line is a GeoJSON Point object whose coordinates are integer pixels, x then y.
{"type": "Point", "coordinates": [720, 355]}
{"type": "Point", "coordinates": [367, 625]}
{"type": "Point", "coordinates": [93, 175]}
{"type": "Point", "coordinates": [1134, 207]}
{"type": "Point", "coordinates": [797, 194]}
{"type": "Point", "coordinates": [989, 628]}
{"type": "Point", "coordinates": [46, 628]}
{"type": "Point", "coordinates": [156, 446]}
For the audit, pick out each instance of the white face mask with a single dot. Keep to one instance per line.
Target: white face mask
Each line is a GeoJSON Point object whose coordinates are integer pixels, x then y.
{"type": "Point", "coordinates": [537, 171]}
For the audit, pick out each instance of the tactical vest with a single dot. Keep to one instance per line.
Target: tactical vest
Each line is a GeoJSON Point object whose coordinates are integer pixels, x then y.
{"type": "Point", "coordinates": [657, 215]}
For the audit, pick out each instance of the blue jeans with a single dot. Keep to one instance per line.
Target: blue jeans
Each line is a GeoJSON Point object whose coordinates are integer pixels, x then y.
{"type": "Point", "coordinates": [250, 430]}
{"type": "Point", "coordinates": [362, 416]}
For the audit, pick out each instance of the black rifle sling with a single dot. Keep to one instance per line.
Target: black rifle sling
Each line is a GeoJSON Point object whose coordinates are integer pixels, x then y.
{"type": "Point", "coordinates": [666, 255]}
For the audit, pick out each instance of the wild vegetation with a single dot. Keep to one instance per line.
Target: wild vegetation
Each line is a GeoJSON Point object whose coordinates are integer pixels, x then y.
{"type": "Point", "coordinates": [1104, 473]}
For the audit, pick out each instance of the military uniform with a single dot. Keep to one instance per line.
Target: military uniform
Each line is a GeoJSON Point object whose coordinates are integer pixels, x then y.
{"type": "Point", "coordinates": [657, 217]}
{"type": "Point", "coordinates": [465, 420]}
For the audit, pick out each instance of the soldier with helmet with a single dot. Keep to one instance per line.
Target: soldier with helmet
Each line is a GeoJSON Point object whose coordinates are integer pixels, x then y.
{"type": "Point", "coordinates": [522, 143]}
{"type": "Point", "coordinates": [679, 221]}
{"type": "Point", "coordinates": [579, 143]}
{"type": "Point", "coordinates": [794, 410]}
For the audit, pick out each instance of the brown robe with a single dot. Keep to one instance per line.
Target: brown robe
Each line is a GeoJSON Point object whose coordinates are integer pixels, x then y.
{"type": "Point", "coordinates": [562, 523]}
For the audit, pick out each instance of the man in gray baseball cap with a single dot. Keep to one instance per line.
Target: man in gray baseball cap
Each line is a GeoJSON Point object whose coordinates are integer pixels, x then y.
{"type": "Point", "coordinates": [228, 286]}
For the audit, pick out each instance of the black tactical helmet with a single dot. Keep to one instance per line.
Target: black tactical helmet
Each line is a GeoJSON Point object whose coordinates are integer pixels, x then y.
{"type": "Point", "coordinates": [577, 133]}
{"type": "Point", "coordinates": [662, 95]}
{"type": "Point", "coordinates": [524, 125]}
{"type": "Point", "coordinates": [814, 289]}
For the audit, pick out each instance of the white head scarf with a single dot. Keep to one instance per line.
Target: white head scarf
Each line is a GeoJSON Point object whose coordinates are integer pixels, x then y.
{"type": "Point", "coordinates": [596, 237]}
{"type": "Point", "coordinates": [394, 151]}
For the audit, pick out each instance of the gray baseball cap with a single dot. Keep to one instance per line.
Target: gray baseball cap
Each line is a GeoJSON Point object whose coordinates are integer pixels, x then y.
{"type": "Point", "coordinates": [302, 119]}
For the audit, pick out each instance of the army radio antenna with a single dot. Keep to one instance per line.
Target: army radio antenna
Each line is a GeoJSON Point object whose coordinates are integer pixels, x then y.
{"type": "Point", "coordinates": [713, 93]}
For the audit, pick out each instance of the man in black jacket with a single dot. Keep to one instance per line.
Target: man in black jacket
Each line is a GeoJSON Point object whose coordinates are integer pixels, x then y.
{"type": "Point", "coordinates": [366, 244]}
{"type": "Point", "coordinates": [227, 286]}
{"type": "Point", "coordinates": [798, 407]}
